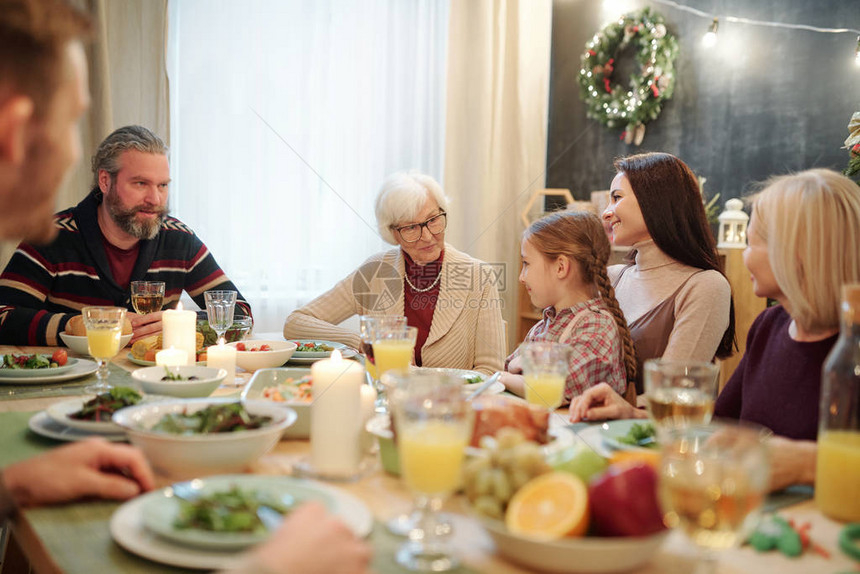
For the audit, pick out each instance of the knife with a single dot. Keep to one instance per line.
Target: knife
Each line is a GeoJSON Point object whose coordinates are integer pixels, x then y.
{"type": "Point", "coordinates": [485, 385]}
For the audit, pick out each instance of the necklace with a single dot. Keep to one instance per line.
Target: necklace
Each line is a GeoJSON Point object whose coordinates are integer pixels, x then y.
{"type": "Point", "coordinates": [416, 289]}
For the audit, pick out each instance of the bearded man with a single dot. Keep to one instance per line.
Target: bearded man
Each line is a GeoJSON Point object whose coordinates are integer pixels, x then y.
{"type": "Point", "coordinates": [120, 232]}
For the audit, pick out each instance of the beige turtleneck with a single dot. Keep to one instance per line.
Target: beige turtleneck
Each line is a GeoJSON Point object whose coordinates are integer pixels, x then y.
{"type": "Point", "coordinates": [701, 307]}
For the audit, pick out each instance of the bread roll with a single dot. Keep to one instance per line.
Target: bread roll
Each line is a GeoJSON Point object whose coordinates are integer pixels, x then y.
{"type": "Point", "coordinates": [75, 326]}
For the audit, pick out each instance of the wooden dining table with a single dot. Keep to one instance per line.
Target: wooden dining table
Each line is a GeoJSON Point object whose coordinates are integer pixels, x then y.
{"type": "Point", "coordinates": [75, 537]}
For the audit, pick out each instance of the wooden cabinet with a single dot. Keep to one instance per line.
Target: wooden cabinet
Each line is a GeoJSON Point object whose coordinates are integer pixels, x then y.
{"type": "Point", "coordinates": [747, 305]}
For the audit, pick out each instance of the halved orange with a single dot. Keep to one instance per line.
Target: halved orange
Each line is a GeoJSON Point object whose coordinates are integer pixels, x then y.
{"type": "Point", "coordinates": [647, 456]}
{"type": "Point", "coordinates": [549, 507]}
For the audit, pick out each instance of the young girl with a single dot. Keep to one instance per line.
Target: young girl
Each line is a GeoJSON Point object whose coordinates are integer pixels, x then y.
{"type": "Point", "coordinates": [564, 270]}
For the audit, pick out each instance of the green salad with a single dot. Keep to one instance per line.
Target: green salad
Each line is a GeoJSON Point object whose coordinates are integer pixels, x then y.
{"type": "Point", "coordinates": [643, 435]}
{"type": "Point", "coordinates": [103, 406]}
{"type": "Point", "coordinates": [34, 361]}
{"type": "Point", "coordinates": [231, 417]}
{"type": "Point", "coordinates": [234, 510]}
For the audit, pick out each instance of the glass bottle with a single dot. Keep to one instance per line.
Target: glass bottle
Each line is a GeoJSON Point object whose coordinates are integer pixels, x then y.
{"type": "Point", "coordinates": [837, 473]}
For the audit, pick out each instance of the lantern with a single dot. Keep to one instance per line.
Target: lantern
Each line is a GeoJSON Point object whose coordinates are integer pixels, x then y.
{"type": "Point", "coordinates": [733, 225]}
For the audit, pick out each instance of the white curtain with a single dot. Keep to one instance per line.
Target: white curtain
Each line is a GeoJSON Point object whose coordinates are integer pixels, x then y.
{"type": "Point", "coordinates": [285, 118]}
{"type": "Point", "coordinates": [495, 145]}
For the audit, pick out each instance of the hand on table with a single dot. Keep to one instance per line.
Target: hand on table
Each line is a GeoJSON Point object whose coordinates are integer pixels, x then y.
{"type": "Point", "coordinates": [90, 468]}
{"type": "Point", "coordinates": [601, 402]}
{"type": "Point", "coordinates": [791, 462]}
{"type": "Point", "coordinates": [144, 325]}
{"type": "Point", "coordinates": [310, 541]}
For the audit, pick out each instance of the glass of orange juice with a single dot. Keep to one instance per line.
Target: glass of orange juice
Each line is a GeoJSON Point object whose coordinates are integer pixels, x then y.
{"type": "Point", "coordinates": [104, 331]}
{"type": "Point", "coordinates": [368, 326]}
{"type": "Point", "coordinates": [393, 349]}
{"type": "Point", "coordinates": [545, 369]}
{"type": "Point", "coordinates": [433, 421]}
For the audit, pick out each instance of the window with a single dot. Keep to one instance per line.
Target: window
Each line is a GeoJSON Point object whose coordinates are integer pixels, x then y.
{"type": "Point", "coordinates": [286, 116]}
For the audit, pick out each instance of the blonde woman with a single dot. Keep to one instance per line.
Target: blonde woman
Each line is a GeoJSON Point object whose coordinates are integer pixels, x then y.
{"type": "Point", "coordinates": [804, 244]}
{"type": "Point", "coordinates": [441, 291]}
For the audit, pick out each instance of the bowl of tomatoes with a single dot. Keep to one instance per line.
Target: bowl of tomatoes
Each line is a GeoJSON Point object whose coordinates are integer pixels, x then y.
{"type": "Point", "coordinates": [252, 355]}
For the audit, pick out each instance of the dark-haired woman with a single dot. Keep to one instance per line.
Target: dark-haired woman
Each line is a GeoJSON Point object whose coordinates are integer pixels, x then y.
{"type": "Point", "coordinates": [677, 301]}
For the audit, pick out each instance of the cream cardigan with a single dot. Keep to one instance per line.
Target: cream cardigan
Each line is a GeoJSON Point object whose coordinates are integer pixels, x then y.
{"type": "Point", "coordinates": [467, 331]}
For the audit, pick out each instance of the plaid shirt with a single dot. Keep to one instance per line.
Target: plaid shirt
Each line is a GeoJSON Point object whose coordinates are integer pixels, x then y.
{"type": "Point", "coordinates": [597, 348]}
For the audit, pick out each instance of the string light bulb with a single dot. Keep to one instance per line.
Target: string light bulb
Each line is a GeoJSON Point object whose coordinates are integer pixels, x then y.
{"type": "Point", "coordinates": [710, 37]}
{"type": "Point", "coordinates": [857, 52]}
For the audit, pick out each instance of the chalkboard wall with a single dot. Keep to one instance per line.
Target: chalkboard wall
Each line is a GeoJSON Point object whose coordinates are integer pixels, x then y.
{"type": "Point", "coordinates": [763, 101]}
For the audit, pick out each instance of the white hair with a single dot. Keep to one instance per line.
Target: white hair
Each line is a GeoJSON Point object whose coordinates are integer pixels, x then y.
{"type": "Point", "coordinates": [401, 198]}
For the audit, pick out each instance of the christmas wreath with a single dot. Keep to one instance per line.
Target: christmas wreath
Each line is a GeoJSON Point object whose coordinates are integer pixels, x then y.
{"type": "Point", "coordinates": [610, 103]}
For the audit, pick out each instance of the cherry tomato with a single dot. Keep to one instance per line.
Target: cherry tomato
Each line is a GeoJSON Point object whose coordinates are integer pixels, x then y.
{"type": "Point", "coordinates": [240, 346]}
{"type": "Point", "coordinates": [60, 356]}
{"type": "Point", "coordinates": [265, 348]}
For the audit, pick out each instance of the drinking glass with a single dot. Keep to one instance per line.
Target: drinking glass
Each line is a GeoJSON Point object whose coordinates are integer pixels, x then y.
{"type": "Point", "coordinates": [219, 310]}
{"type": "Point", "coordinates": [393, 348]}
{"type": "Point", "coordinates": [147, 296]}
{"type": "Point", "coordinates": [367, 329]}
{"type": "Point", "coordinates": [104, 331]}
{"type": "Point", "coordinates": [433, 421]}
{"type": "Point", "coordinates": [679, 393]}
{"type": "Point", "coordinates": [545, 367]}
{"type": "Point", "coordinates": [713, 480]}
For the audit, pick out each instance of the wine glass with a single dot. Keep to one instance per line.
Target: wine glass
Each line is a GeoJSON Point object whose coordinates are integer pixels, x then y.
{"type": "Point", "coordinates": [713, 480]}
{"type": "Point", "coordinates": [367, 330]}
{"type": "Point", "coordinates": [147, 296]}
{"type": "Point", "coordinates": [433, 421]}
{"type": "Point", "coordinates": [219, 310]}
{"type": "Point", "coordinates": [104, 331]}
{"type": "Point", "coordinates": [393, 349]}
{"type": "Point", "coordinates": [545, 368]}
{"type": "Point", "coordinates": [679, 393]}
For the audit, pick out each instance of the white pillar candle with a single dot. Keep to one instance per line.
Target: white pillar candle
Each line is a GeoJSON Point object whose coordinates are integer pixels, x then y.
{"type": "Point", "coordinates": [222, 356]}
{"type": "Point", "coordinates": [179, 330]}
{"type": "Point", "coordinates": [171, 357]}
{"type": "Point", "coordinates": [368, 409]}
{"type": "Point", "coordinates": [336, 416]}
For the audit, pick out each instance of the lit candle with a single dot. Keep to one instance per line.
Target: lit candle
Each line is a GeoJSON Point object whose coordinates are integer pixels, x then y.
{"type": "Point", "coordinates": [179, 330]}
{"type": "Point", "coordinates": [368, 409]}
{"type": "Point", "coordinates": [336, 416]}
{"type": "Point", "coordinates": [171, 357]}
{"type": "Point", "coordinates": [222, 356]}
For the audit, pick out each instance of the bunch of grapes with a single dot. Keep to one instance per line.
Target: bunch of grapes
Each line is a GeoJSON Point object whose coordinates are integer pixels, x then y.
{"type": "Point", "coordinates": [510, 462]}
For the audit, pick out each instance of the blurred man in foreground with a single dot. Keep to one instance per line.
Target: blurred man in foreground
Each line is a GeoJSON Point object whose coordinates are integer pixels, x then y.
{"type": "Point", "coordinates": [43, 93]}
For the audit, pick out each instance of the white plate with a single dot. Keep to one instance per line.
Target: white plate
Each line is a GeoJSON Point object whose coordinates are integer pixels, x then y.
{"type": "Point", "coordinates": [143, 363]}
{"type": "Point", "coordinates": [128, 530]}
{"type": "Point", "coordinates": [80, 368]}
{"type": "Point", "coordinates": [317, 355]}
{"type": "Point", "coordinates": [8, 373]}
{"type": "Point", "coordinates": [346, 353]}
{"type": "Point", "coordinates": [603, 437]}
{"type": "Point", "coordinates": [44, 425]}
{"type": "Point", "coordinates": [465, 374]}
{"type": "Point", "coordinates": [160, 512]}
{"type": "Point", "coordinates": [60, 412]}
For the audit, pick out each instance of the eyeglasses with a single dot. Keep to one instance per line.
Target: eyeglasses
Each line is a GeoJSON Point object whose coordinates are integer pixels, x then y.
{"type": "Point", "coordinates": [435, 225]}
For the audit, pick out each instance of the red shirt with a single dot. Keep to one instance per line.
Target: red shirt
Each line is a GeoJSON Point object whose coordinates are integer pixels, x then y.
{"type": "Point", "coordinates": [419, 306]}
{"type": "Point", "coordinates": [121, 261]}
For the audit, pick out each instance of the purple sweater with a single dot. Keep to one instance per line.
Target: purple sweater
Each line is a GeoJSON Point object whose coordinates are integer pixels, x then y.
{"type": "Point", "coordinates": [778, 382]}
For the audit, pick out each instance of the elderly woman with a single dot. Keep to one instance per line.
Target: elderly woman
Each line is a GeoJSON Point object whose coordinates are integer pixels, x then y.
{"type": "Point", "coordinates": [440, 290]}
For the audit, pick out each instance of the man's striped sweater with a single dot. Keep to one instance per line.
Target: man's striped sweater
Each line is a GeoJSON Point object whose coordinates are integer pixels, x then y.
{"type": "Point", "coordinates": [42, 287]}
